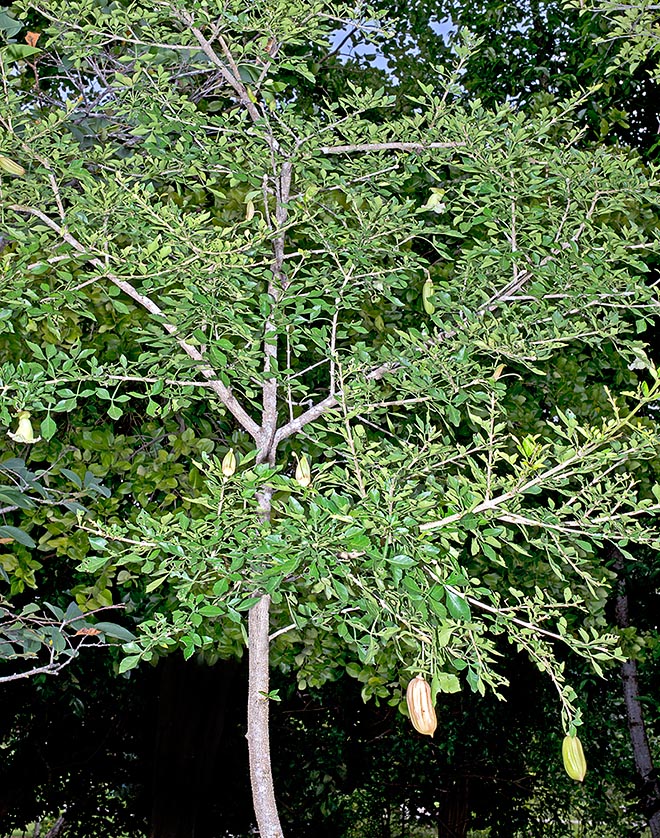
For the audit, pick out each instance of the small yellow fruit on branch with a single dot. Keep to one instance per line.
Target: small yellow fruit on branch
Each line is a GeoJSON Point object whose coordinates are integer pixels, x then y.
{"type": "Point", "coordinates": [24, 432]}
{"type": "Point", "coordinates": [229, 463]}
{"type": "Point", "coordinates": [574, 761]}
{"type": "Point", "coordinates": [303, 472]}
{"type": "Point", "coordinates": [420, 707]}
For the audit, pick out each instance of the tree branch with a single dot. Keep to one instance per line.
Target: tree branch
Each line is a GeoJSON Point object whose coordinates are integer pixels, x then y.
{"type": "Point", "coordinates": [232, 77]}
{"type": "Point", "coordinates": [493, 503]}
{"type": "Point", "coordinates": [312, 413]}
{"type": "Point", "coordinates": [221, 390]}
{"type": "Point", "coordinates": [347, 149]}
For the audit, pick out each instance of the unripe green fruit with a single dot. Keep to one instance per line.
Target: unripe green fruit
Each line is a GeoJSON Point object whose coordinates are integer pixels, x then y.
{"type": "Point", "coordinates": [11, 167]}
{"type": "Point", "coordinates": [427, 293]}
{"type": "Point", "coordinates": [574, 761]}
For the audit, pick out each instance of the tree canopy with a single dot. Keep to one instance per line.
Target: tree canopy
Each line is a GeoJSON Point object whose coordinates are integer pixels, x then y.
{"type": "Point", "coordinates": [373, 373]}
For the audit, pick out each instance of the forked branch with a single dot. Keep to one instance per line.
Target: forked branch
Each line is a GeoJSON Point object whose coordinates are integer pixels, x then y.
{"type": "Point", "coordinates": [221, 390]}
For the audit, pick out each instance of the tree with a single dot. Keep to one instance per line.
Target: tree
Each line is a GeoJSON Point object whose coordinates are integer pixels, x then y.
{"type": "Point", "coordinates": [370, 286]}
{"type": "Point", "coordinates": [646, 772]}
{"type": "Point", "coordinates": [533, 53]}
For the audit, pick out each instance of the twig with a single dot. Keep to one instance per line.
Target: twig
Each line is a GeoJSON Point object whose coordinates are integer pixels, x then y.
{"type": "Point", "coordinates": [224, 393]}
{"type": "Point", "coordinates": [347, 149]}
{"type": "Point", "coordinates": [281, 631]}
{"type": "Point", "coordinates": [493, 503]}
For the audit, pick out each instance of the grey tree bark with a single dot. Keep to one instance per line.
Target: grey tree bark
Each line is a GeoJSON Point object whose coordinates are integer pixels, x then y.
{"type": "Point", "coordinates": [263, 794]}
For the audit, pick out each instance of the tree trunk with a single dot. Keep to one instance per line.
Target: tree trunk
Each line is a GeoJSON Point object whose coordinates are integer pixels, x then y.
{"type": "Point", "coordinates": [649, 787]}
{"type": "Point", "coordinates": [454, 812]}
{"type": "Point", "coordinates": [56, 828]}
{"type": "Point", "coordinates": [263, 794]}
{"type": "Point", "coordinates": [191, 714]}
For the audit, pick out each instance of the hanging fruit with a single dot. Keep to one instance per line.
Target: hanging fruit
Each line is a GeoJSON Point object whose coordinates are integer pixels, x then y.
{"type": "Point", "coordinates": [573, 755]}
{"type": "Point", "coordinates": [229, 463]}
{"type": "Point", "coordinates": [420, 706]}
{"type": "Point", "coordinates": [11, 167]}
{"type": "Point", "coordinates": [303, 472]}
{"type": "Point", "coordinates": [427, 294]}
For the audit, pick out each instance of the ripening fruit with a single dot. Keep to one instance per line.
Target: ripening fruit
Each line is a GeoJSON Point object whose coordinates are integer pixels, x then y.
{"type": "Point", "coordinates": [11, 167]}
{"type": "Point", "coordinates": [427, 294]}
{"type": "Point", "coordinates": [435, 202]}
{"type": "Point", "coordinates": [420, 707]}
{"type": "Point", "coordinates": [229, 463]}
{"type": "Point", "coordinates": [303, 472]}
{"type": "Point", "coordinates": [574, 761]}
{"type": "Point", "coordinates": [24, 432]}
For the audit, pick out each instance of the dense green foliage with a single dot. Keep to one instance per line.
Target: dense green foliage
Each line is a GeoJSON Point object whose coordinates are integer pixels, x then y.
{"type": "Point", "coordinates": [220, 242]}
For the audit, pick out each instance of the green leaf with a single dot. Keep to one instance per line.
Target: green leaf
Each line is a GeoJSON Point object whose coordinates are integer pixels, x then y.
{"type": "Point", "coordinates": [72, 611]}
{"type": "Point", "coordinates": [92, 564]}
{"type": "Point", "coordinates": [155, 583]}
{"type": "Point", "coordinates": [113, 630]}
{"type": "Point", "coordinates": [14, 497]}
{"type": "Point", "coordinates": [453, 415]}
{"type": "Point", "coordinates": [457, 606]}
{"type": "Point", "coordinates": [212, 611]}
{"type": "Point", "coordinates": [9, 25]}
{"type": "Point", "coordinates": [18, 535]}
{"type": "Point", "coordinates": [55, 610]}
{"type": "Point", "coordinates": [17, 52]}
{"type": "Point", "coordinates": [448, 682]}
{"type": "Point", "coordinates": [401, 561]}
{"type": "Point", "coordinates": [48, 427]}
{"type": "Point", "coordinates": [130, 662]}
{"type": "Point", "coordinates": [77, 482]}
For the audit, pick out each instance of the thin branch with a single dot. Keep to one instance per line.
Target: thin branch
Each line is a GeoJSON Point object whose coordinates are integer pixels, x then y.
{"type": "Point", "coordinates": [46, 669]}
{"type": "Point", "coordinates": [223, 392]}
{"type": "Point", "coordinates": [110, 36]}
{"type": "Point", "coordinates": [310, 415]}
{"type": "Point", "coordinates": [232, 78]}
{"type": "Point", "coordinates": [349, 436]}
{"type": "Point", "coordinates": [347, 149]}
{"type": "Point", "coordinates": [523, 623]}
{"type": "Point", "coordinates": [281, 631]}
{"type": "Point", "coordinates": [337, 49]}
{"type": "Point", "coordinates": [113, 537]}
{"type": "Point", "coordinates": [486, 505]}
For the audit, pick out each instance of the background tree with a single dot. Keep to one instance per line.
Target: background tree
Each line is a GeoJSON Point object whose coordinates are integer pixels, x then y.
{"type": "Point", "coordinates": [533, 53]}
{"type": "Point", "coordinates": [43, 636]}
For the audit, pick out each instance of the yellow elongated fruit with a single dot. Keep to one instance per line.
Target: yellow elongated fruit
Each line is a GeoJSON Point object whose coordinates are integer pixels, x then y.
{"type": "Point", "coordinates": [303, 472]}
{"type": "Point", "coordinates": [229, 463]}
{"type": "Point", "coordinates": [427, 293]}
{"type": "Point", "coordinates": [10, 166]}
{"type": "Point", "coordinates": [420, 707]}
{"type": "Point", "coordinates": [574, 761]}
{"type": "Point", "coordinates": [24, 432]}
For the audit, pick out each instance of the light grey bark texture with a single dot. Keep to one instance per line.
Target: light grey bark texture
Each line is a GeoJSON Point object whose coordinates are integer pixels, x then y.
{"type": "Point", "coordinates": [263, 794]}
